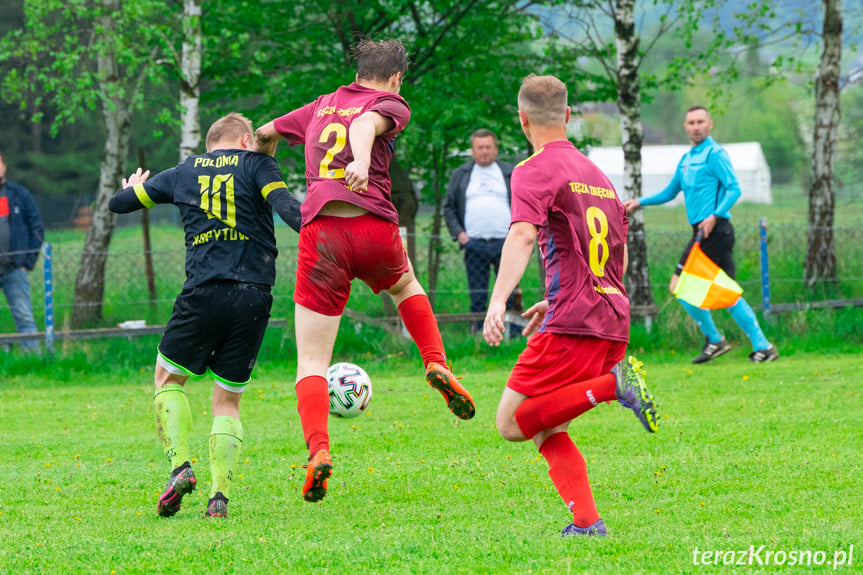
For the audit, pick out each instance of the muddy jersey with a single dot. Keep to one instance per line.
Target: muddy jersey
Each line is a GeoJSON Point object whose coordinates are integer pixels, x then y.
{"type": "Point", "coordinates": [322, 126]}
{"type": "Point", "coordinates": [582, 228]}
{"type": "Point", "coordinates": [228, 222]}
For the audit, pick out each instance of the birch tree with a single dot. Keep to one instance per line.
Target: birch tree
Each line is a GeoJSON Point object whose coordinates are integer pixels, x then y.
{"type": "Point", "coordinates": [821, 251]}
{"type": "Point", "coordinates": [190, 78]}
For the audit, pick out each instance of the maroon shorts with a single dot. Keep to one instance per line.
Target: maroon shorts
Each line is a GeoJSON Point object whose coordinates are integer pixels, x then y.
{"type": "Point", "coordinates": [334, 250]}
{"type": "Point", "coordinates": [552, 360]}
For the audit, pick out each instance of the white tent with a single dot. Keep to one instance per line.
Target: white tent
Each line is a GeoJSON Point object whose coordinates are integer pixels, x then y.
{"type": "Point", "coordinates": [658, 164]}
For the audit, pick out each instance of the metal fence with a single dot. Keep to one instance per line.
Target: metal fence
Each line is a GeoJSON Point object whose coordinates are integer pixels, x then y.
{"type": "Point", "coordinates": [126, 295]}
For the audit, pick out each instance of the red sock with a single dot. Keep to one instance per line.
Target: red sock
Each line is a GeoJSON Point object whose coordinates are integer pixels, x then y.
{"type": "Point", "coordinates": [313, 403]}
{"type": "Point", "coordinates": [549, 410]}
{"type": "Point", "coordinates": [420, 322]}
{"type": "Point", "coordinates": [568, 472]}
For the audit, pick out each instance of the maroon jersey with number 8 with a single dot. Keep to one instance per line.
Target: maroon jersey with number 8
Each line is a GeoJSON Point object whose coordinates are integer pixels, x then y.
{"type": "Point", "coordinates": [582, 228]}
{"type": "Point", "coordinates": [323, 127]}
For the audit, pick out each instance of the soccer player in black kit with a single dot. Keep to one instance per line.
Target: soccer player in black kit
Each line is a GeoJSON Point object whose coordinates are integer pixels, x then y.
{"type": "Point", "coordinates": [226, 199]}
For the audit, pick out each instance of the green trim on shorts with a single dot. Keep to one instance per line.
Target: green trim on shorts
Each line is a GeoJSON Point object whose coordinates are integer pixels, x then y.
{"type": "Point", "coordinates": [229, 383]}
{"type": "Point", "coordinates": [178, 366]}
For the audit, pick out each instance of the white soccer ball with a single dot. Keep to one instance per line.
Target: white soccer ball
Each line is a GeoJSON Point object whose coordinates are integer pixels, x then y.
{"type": "Point", "coordinates": [350, 389]}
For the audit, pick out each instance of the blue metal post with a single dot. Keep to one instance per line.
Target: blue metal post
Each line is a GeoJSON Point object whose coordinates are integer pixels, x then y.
{"type": "Point", "coordinates": [49, 297]}
{"type": "Point", "coordinates": [765, 267]}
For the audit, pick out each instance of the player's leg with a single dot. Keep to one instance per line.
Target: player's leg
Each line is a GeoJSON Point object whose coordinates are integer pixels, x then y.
{"type": "Point", "coordinates": [244, 311]}
{"type": "Point", "coordinates": [567, 468]}
{"type": "Point", "coordinates": [173, 424]}
{"type": "Point", "coordinates": [563, 376]}
{"type": "Point", "coordinates": [226, 440]}
{"type": "Point", "coordinates": [316, 336]}
{"type": "Point", "coordinates": [416, 313]}
{"type": "Point", "coordinates": [191, 335]}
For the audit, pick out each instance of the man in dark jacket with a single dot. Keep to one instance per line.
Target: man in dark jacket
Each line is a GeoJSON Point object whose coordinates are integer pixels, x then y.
{"type": "Point", "coordinates": [477, 214]}
{"type": "Point", "coordinates": [21, 238]}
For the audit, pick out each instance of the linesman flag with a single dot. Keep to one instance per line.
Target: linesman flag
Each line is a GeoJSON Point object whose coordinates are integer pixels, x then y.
{"type": "Point", "coordinates": [703, 284]}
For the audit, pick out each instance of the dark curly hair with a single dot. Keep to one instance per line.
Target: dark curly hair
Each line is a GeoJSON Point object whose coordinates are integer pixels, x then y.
{"type": "Point", "coordinates": [379, 60]}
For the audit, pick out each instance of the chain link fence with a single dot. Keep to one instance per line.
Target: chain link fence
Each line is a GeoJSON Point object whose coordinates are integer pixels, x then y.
{"type": "Point", "coordinates": [127, 297]}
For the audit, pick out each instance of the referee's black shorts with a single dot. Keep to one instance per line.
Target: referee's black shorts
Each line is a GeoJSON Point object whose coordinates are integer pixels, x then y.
{"type": "Point", "coordinates": [218, 326]}
{"type": "Point", "coordinates": [718, 246]}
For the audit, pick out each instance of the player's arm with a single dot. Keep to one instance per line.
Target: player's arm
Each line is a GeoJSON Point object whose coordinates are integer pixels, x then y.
{"type": "Point", "coordinates": [513, 262]}
{"type": "Point", "coordinates": [361, 135]}
{"type": "Point", "coordinates": [287, 206]}
{"type": "Point", "coordinates": [133, 196]}
{"type": "Point", "coordinates": [266, 139]}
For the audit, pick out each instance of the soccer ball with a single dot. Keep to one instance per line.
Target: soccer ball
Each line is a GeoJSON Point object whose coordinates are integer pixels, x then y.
{"type": "Point", "coordinates": [350, 389]}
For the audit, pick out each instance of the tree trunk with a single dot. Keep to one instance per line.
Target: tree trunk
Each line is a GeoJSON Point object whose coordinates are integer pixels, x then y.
{"type": "Point", "coordinates": [404, 198]}
{"type": "Point", "coordinates": [90, 282]}
{"type": "Point", "coordinates": [438, 174]}
{"type": "Point", "coordinates": [637, 279]}
{"type": "Point", "coordinates": [190, 75]}
{"type": "Point", "coordinates": [821, 251]}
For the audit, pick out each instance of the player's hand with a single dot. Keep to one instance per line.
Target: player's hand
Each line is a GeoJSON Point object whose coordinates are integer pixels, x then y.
{"type": "Point", "coordinates": [707, 225]}
{"type": "Point", "coordinates": [138, 177]}
{"type": "Point", "coordinates": [357, 175]}
{"type": "Point", "coordinates": [632, 205]}
{"type": "Point", "coordinates": [536, 313]}
{"type": "Point", "coordinates": [493, 328]}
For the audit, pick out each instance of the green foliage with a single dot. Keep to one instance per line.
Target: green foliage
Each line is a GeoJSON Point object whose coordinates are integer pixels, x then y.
{"type": "Point", "coordinates": [746, 455]}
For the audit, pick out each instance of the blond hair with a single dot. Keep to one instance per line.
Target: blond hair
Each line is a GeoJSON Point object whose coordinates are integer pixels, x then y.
{"type": "Point", "coordinates": [232, 126]}
{"type": "Point", "coordinates": [543, 100]}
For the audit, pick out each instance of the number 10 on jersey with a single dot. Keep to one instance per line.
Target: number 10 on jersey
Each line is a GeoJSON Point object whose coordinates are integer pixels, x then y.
{"type": "Point", "coordinates": [216, 191]}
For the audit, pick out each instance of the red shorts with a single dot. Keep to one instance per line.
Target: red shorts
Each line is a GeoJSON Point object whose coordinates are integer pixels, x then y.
{"type": "Point", "coordinates": [552, 360]}
{"type": "Point", "coordinates": [334, 250]}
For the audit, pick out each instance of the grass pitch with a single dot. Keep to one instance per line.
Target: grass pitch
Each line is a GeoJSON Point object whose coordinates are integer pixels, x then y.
{"type": "Point", "coordinates": [746, 455]}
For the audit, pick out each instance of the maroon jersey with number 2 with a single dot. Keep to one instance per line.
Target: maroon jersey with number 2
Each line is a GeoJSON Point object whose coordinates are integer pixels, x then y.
{"type": "Point", "coordinates": [582, 228]}
{"type": "Point", "coordinates": [323, 127]}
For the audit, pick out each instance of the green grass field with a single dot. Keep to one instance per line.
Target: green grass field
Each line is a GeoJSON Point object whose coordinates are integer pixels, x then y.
{"type": "Point", "coordinates": [747, 455]}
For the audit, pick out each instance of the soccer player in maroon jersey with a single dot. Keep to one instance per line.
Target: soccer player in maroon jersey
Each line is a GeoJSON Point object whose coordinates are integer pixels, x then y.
{"type": "Point", "coordinates": [350, 230]}
{"type": "Point", "coordinates": [575, 361]}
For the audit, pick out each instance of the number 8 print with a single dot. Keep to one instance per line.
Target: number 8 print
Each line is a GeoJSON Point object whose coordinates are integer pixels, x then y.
{"type": "Point", "coordinates": [596, 216]}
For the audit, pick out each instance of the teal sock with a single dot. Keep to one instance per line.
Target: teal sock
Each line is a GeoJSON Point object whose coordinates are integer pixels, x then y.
{"type": "Point", "coordinates": [173, 422]}
{"type": "Point", "coordinates": [704, 321]}
{"type": "Point", "coordinates": [745, 318]}
{"type": "Point", "coordinates": [226, 438]}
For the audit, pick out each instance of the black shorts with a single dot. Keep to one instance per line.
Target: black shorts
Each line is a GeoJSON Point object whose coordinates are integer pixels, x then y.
{"type": "Point", "coordinates": [218, 326]}
{"type": "Point", "coordinates": [718, 246]}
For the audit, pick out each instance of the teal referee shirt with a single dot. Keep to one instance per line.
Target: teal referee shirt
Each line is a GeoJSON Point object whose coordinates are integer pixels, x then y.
{"type": "Point", "coordinates": [707, 180]}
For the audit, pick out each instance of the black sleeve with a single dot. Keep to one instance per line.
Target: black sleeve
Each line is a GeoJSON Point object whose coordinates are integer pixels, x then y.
{"type": "Point", "coordinates": [269, 180]}
{"type": "Point", "coordinates": [158, 190]}
{"type": "Point", "coordinates": [124, 201]}
{"type": "Point", "coordinates": [287, 206]}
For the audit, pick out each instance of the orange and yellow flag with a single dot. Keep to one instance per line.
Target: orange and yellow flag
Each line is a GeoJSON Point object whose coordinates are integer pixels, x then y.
{"type": "Point", "coordinates": [703, 284]}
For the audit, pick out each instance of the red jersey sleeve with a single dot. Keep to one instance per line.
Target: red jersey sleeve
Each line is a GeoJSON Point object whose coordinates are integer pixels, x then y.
{"type": "Point", "coordinates": [293, 125]}
{"type": "Point", "coordinates": [532, 195]}
{"type": "Point", "coordinates": [396, 110]}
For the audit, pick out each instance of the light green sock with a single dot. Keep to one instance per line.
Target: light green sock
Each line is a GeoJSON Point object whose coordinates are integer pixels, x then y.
{"type": "Point", "coordinates": [225, 440]}
{"type": "Point", "coordinates": [173, 423]}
